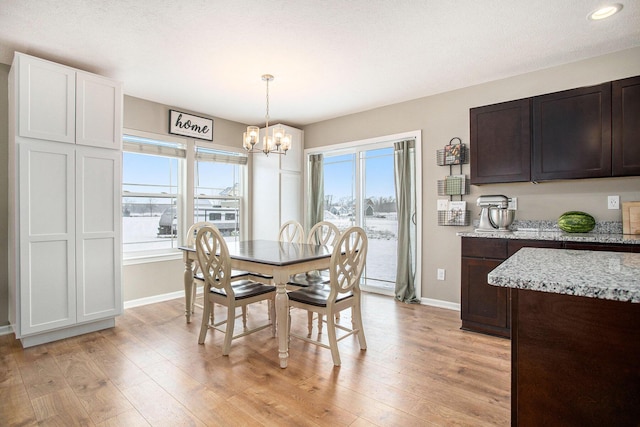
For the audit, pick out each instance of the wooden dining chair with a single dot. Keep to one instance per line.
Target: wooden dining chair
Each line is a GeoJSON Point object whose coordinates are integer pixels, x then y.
{"type": "Point", "coordinates": [322, 233]}
{"type": "Point", "coordinates": [347, 264]}
{"type": "Point", "coordinates": [198, 279]}
{"type": "Point", "coordinates": [215, 265]}
{"type": "Point", "coordinates": [291, 232]}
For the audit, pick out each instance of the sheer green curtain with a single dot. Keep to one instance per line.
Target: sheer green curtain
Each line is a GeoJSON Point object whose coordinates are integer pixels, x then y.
{"type": "Point", "coordinates": [404, 168]}
{"type": "Point", "coordinates": [316, 190]}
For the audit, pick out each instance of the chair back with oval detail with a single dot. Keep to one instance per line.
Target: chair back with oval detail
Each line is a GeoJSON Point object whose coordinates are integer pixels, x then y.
{"type": "Point", "coordinates": [291, 232]}
{"type": "Point", "coordinates": [323, 233]}
{"type": "Point", "coordinates": [348, 261]}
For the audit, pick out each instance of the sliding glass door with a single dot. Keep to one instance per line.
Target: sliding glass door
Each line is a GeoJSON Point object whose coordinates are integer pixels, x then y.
{"type": "Point", "coordinates": [359, 190]}
{"type": "Point", "coordinates": [378, 217]}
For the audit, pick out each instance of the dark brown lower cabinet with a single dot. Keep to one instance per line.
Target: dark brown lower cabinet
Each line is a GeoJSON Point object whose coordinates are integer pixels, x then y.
{"type": "Point", "coordinates": [485, 308]}
{"type": "Point", "coordinates": [574, 361]}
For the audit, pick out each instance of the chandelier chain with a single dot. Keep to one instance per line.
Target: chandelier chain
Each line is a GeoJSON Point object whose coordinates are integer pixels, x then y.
{"type": "Point", "coordinates": [267, 115]}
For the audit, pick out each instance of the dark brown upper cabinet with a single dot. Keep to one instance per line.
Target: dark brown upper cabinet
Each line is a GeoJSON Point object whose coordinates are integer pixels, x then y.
{"type": "Point", "coordinates": [572, 134]}
{"type": "Point", "coordinates": [501, 142]}
{"type": "Point", "coordinates": [626, 126]}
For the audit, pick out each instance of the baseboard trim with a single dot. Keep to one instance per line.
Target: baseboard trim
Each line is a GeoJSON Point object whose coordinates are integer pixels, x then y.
{"type": "Point", "coordinates": [6, 330]}
{"type": "Point", "coordinates": [153, 299]}
{"type": "Point", "coordinates": [440, 303]}
{"type": "Point", "coordinates": [180, 294]}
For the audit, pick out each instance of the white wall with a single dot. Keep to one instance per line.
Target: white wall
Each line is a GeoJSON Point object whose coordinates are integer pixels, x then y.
{"type": "Point", "coordinates": [444, 116]}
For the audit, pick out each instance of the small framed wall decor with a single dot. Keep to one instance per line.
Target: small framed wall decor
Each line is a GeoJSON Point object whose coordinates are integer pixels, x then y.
{"type": "Point", "coordinates": [190, 125]}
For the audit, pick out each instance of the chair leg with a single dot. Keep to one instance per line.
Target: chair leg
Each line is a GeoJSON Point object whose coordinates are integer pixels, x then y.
{"type": "Point", "coordinates": [207, 312]}
{"type": "Point", "coordinates": [333, 341]}
{"type": "Point", "coordinates": [244, 316]}
{"type": "Point", "coordinates": [320, 323]}
{"type": "Point", "coordinates": [228, 335]}
{"type": "Point", "coordinates": [356, 314]}
{"type": "Point", "coordinates": [309, 322]}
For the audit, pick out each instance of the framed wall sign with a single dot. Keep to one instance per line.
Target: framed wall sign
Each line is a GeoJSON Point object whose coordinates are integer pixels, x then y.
{"type": "Point", "coordinates": [189, 125]}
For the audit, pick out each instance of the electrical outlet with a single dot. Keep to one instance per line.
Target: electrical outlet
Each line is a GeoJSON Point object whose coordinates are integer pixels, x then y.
{"type": "Point", "coordinates": [513, 204]}
{"type": "Point", "coordinates": [441, 274]}
{"type": "Point", "coordinates": [443, 204]}
{"type": "Point", "coordinates": [613, 202]}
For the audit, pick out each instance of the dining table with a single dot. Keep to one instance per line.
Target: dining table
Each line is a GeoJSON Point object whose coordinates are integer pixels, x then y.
{"type": "Point", "coordinates": [271, 257]}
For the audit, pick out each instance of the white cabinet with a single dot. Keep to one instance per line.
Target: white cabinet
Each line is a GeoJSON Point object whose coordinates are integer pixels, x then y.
{"type": "Point", "coordinates": [98, 233]}
{"type": "Point", "coordinates": [58, 103]}
{"type": "Point", "coordinates": [65, 263]}
{"type": "Point", "coordinates": [98, 111]}
{"type": "Point", "coordinates": [46, 99]}
{"type": "Point", "coordinates": [277, 188]}
{"type": "Point", "coordinates": [46, 236]}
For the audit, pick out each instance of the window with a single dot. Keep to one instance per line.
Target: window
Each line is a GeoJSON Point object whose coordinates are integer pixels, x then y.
{"type": "Point", "coordinates": [150, 188]}
{"type": "Point", "coordinates": [156, 206]}
{"type": "Point", "coordinates": [218, 189]}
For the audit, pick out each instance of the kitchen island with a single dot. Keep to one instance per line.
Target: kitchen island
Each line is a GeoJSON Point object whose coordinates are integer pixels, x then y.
{"type": "Point", "coordinates": [575, 336]}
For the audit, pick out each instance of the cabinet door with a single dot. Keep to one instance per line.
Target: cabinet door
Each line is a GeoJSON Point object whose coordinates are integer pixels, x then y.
{"type": "Point", "coordinates": [46, 96]}
{"type": "Point", "coordinates": [98, 111]}
{"type": "Point", "coordinates": [47, 230]}
{"type": "Point", "coordinates": [626, 126]}
{"type": "Point", "coordinates": [572, 134]}
{"type": "Point", "coordinates": [501, 142]}
{"type": "Point", "coordinates": [484, 308]}
{"type": "Point", "coordinates": [291, 197]}
{"type": "Point", "coordinates": [98, 233]}
{"type": "Point", "coordinates": [265, 196]}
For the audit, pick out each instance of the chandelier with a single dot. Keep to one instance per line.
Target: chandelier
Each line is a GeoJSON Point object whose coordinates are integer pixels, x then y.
{"type": "Point", "coordinates": [278, 142]}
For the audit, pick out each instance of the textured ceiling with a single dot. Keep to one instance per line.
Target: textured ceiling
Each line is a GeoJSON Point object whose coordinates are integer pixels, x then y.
{"type": "Point", "coordinates": [329, 57]}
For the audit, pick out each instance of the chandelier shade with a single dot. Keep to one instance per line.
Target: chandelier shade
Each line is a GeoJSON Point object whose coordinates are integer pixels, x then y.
{"type": "Point", "coordinates": [278, 142]}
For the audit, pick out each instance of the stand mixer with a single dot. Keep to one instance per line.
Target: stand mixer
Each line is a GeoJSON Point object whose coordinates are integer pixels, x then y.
{"type": "Point", "coordinates": [495, 215]}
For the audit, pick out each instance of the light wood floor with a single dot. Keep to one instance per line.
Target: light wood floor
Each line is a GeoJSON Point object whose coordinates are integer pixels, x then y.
{"type": "Point", "coordinates": [419, 369]}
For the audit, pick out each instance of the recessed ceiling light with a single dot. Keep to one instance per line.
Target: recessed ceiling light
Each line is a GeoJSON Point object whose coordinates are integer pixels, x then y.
{"type": "Point", "coordinates": [605, 11]}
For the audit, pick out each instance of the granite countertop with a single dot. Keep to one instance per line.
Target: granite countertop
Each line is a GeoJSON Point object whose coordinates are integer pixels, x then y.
{"type": "Point", "coordinates": [617, 238]}
{"type": "Point", "coordinates": [594, 274]}
{"type": "Point", "coordinates": [604, 232]}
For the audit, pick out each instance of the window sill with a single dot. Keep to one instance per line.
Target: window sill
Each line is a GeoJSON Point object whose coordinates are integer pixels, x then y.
{"type": "Point", "coordinates": [148, 257]}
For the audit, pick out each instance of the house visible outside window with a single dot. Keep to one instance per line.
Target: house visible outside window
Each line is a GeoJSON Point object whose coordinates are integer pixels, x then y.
{"type": "Point", "coordinates": [157, 207]}
{"type": "Point", "coordinates": [218, 189]}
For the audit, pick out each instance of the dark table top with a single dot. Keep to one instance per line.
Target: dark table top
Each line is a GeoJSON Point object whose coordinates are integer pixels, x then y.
{"type": "Point", "coordinates": [273, 252]}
